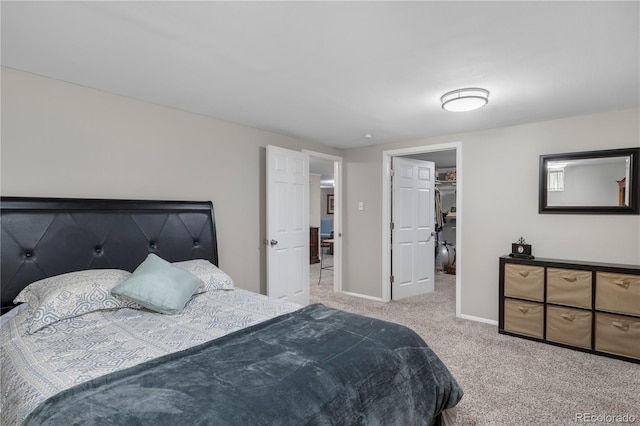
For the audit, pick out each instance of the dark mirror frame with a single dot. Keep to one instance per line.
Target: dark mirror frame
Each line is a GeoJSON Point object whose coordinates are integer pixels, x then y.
{"type": "Point", "coordinates": [634, 185]}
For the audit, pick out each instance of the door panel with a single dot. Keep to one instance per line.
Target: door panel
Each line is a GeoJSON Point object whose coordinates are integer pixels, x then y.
{"type": "Point", "coordinates": [287, 225]}
{"type": "Point", "coordinates": [412, 246]}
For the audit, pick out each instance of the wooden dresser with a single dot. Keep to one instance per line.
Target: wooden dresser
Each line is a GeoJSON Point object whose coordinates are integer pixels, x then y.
{"type": "Point", "coordinates": [592, 307]}
{"type": "Point", "coordinates": [313, 245]}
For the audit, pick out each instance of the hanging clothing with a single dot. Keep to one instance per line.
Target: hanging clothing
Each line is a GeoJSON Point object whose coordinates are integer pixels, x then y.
{"type": "Point", "coordinates": [439, 220]}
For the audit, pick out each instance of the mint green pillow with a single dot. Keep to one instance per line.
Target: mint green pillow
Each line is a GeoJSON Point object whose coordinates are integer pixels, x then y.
{"type": "Point", "coordinates": [158, 286]}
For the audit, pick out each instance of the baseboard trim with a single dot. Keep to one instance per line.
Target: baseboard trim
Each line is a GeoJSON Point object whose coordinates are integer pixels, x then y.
{"type": "Point", "coordinates": [463, 316]}
{"type": "Point", "coordinates": [478, 319]}
{"type": "Point", "coordinates": [362, 296]}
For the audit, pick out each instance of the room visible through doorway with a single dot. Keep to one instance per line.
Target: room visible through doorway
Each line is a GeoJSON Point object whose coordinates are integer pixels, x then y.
{"type": "Point", "coordinates": [324, 221]}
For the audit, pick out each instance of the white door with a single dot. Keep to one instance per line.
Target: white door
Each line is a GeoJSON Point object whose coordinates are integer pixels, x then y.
{"type": "Point", "coordinates": [287, 225]}
{"type": "Point", "coordinates": [413, 234]}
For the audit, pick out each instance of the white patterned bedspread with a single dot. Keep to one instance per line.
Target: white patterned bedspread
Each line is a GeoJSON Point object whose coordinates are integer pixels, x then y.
{"type": "Point", "coordinates": [35, 367]}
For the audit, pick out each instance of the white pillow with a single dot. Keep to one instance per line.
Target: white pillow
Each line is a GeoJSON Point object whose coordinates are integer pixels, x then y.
{"type": "Point", "coordinates": [73, 294]}
{"type": "Point", "coordinates": [213, 277]}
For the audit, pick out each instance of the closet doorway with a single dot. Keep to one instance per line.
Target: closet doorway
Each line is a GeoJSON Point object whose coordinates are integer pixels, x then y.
{"type": "Point", "coordinates": [446, 183]}
{"type": "Point", "coordinates": [448, 159]}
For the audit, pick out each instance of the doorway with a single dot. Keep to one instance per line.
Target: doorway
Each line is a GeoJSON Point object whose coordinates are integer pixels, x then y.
{"type": "Point", "coordinates": [326, 170]}
{"type": "Point", "coordinates": [423, 152]}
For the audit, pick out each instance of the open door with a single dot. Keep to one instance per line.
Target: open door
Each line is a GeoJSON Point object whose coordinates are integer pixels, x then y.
{"type": "Point", "coordinates": [413, 233]}
{"type": "Point", "coordinates": [287, 225]}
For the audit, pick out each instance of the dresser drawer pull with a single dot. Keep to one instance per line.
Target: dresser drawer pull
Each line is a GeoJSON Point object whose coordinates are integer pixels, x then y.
{"type": "Point", "coordinates": [524, 274]}
{"type": "Point", "coordinates": [523, 309]}
{"type": "Point", "coordinates": [570, 279]}
{"type": "Point", "coordinates": [621, 283]}
{"type": "Point", "coordinates": [568, 317]}
{"type": "Point", "coordinates": [620, 325]}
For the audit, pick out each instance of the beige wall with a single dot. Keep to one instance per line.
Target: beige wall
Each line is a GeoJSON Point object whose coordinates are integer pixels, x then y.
{"type": "Point", "coordinates": [64, 140]}
{"type": "Point", "coordinates": [499, 204]}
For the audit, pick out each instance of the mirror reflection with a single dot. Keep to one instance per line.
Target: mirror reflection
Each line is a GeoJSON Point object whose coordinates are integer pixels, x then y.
{"type": "Point", "coordinates": [589, 182]}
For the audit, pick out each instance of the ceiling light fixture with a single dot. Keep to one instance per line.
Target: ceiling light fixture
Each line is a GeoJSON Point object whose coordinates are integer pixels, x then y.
{"type": "Point", "coordinates": [462, 100]}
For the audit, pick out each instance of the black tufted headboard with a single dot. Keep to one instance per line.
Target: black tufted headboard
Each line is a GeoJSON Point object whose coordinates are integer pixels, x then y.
{"type": "Point", "coordinates": [43, 237]}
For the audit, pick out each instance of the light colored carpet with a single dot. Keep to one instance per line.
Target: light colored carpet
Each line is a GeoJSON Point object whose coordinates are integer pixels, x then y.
{"type": "Point", "coordinates": [506, 380]}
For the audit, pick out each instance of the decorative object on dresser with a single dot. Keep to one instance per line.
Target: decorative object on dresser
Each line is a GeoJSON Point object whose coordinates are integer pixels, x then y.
{"type": "Point", "coordinates": [521, 249]}
{"type": "Point", "coordinates": [587, 306]}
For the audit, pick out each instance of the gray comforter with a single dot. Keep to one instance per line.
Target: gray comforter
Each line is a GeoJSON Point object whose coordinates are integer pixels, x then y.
{"type": "Point", "coordinates": [315, 366]}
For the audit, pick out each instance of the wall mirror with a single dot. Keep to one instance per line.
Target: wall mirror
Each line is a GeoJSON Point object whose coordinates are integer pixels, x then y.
{"type": "Point", "coordinates": [592, 182]}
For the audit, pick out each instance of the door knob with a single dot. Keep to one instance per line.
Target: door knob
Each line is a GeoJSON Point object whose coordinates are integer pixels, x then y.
{"type": "Point", "coordinates": [273, 242]}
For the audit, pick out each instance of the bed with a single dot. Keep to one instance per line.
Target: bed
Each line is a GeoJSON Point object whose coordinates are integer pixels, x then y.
{"type": "Point", "coordinates": [79, 349]}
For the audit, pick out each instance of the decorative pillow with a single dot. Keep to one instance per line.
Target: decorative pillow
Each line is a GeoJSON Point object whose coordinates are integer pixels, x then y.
{"type": "Point", "coordinates": [73, 294]}
{"type": "Point", "coordinates": [213, 277]}
{"type": "Point", "coordinates": [158, 286]}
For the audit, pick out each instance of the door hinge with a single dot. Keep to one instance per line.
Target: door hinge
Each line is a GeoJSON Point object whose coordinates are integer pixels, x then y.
{"type": "Point", "coordinates": [391, 226]}
{"type": "Point", "coordinates": [392, 173]}
{"type": "Point", "coordinates": [391, 279]}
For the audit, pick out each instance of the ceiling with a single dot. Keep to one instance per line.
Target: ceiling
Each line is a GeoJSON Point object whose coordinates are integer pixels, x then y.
{"type": "Point", "coordinates": [324, 168]}
{"type": "Point", "coordinates": [333, 72]}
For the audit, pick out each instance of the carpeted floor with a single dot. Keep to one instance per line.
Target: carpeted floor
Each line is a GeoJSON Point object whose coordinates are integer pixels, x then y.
{"type": "Point", "coordinates": [506, 380]}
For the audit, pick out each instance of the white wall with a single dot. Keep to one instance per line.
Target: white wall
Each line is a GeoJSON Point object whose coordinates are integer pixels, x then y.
{"type": "Point", "coordinates": [64, 140]}
{"type": "Point", "coordinates": [499, 204]}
